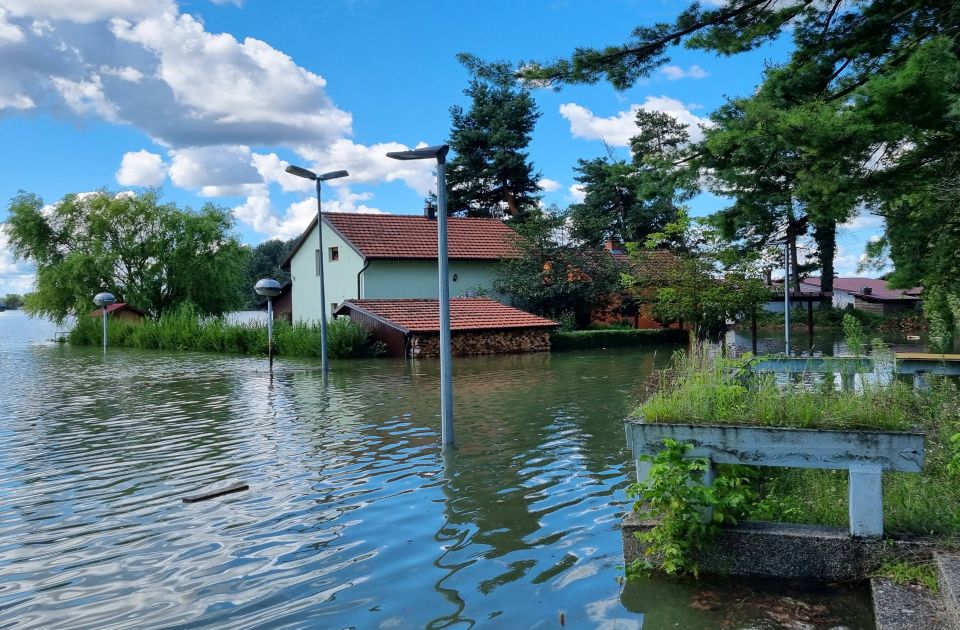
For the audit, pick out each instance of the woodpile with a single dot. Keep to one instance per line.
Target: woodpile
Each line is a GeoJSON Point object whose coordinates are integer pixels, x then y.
{"type": "Point", "coordinates": [483, 342]}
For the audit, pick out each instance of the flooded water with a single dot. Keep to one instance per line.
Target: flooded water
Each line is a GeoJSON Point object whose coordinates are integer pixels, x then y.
{"type": "Point", "coordinates": [354, 517]}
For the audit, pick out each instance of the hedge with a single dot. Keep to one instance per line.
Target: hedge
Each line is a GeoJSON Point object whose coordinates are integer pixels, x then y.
{"type": "Point", "coordinates": [615, 338]}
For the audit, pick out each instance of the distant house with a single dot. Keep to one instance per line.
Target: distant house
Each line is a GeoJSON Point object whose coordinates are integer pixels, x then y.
{"type": "Point", "coordinates": [382, 256]}
{"type": "Point", "coordinates": [123, 312]}
{"type": "Point", "coordinates": [653, 265]}
{"type": "Point", "coordinates": [411, 327]}
{"type": "Point", "coordinates": [869, 294]}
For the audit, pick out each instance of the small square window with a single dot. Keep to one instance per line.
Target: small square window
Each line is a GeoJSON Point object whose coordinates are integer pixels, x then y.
{"type": "Point", "coordinates": [334, 254]}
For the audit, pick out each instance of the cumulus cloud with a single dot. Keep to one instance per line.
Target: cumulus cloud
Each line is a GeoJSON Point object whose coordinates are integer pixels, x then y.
{"type": "Point", "coordinates": [675, 73]}
{"type": "Point", "coordinates": [369, 164]}
{"type": "Point", "coordinates": [16, 101]}
{"type": "Point", "coordinates": [549, 185]}
{"type": "Point", "coordinates": [141, 168]}
{"type": "Point", "coordinates": [619, 128]}
{"type": "Point", "coordinates": [863, 222]}
{"type": "Point", "coordinates": [222, 171]}
{"type": "Point", "coordinates": [15, 277]}
{"type": "Point", "coordinates": [258, 211]}
{"type": "Point", "coordinates": [577, 192]}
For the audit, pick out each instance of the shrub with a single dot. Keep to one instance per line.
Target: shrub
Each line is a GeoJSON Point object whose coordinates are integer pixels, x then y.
{"type": "Point", "coordinates": [185, 330]}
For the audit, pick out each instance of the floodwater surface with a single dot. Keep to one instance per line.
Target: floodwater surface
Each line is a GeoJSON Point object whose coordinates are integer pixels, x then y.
{"type": "Point", "coordinates": [354, 516]}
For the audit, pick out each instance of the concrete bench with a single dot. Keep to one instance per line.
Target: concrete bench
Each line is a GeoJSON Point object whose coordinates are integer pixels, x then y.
{"type": "Point", "coordinates": [865, 454]}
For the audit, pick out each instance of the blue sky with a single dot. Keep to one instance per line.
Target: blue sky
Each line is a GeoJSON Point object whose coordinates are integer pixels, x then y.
{"type": "Point", "coordinates": [211, 100]}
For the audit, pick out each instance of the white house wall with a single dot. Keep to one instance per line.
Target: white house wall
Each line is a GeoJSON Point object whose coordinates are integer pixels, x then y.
{"type": "Point", "coordinates": [418, 278]}
{"type": "Point", "coordinates": [340, 276]}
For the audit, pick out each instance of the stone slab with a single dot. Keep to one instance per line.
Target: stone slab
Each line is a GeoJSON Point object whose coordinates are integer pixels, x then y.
{"type": "Point", "coordinates": [948, 575]}
{"type": "Point", "coordinates": [906, 607]}
{"type": "Point", "coordinates": [787, 550]}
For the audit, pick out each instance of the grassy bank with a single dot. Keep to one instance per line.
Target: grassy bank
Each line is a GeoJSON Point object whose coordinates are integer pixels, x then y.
{"type": "Point", "coordinates": [185, 331]}
{"type": "Point", "coordinates": [615, 338]}
{"type": "Point", "coordinates": [701, 390]}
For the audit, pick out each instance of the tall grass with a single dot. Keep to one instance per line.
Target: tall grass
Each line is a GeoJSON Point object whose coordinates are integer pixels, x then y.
{"type": "Point", "coordinates": [708, 390]}
{"type": "Point", "coordinates": [699, 389]}
{"type": "Point", "coordinates": [183, 330]}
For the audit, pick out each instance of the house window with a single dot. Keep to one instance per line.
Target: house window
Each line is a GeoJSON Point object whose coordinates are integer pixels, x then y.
{"type": "Point", "coordinates": [316, 262]}
{"type": "Point", "coordinates": [334, 254]}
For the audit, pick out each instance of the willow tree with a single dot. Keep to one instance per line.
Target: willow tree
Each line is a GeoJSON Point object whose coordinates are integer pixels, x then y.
{"type": "Point", "coordinates": [152, 255]}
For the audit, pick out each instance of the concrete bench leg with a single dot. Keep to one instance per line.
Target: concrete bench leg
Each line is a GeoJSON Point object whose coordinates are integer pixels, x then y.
{"type": "Point", "coordinates": [866, 500]}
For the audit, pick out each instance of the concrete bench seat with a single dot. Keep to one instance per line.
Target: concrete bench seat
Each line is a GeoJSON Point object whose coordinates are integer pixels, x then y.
{"type": "Point", "coordinates": [865, 454]}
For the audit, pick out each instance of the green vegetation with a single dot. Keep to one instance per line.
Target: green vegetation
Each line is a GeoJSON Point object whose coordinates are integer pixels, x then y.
{"type": "Point", "coordinates": [831, 317]}
{"type": "Point", "coordinates": [703, 390]}
{"type": "Point", "coordinates": [905, 572]}
{"type": "Point", "coordinates": [490, 174]}
{"type": "Point", "coordinates": [157, 257]}
{"type": "Point", "coordinates": [185, 330]}
{"type": "Point", "coordinates": [673, 494]}
{"type": "Point", "coordinates": [263, 261]}
{"type": "Point", "coordinates": [12, 300]}
{"type": "Point", "coordinates": [615, 338]}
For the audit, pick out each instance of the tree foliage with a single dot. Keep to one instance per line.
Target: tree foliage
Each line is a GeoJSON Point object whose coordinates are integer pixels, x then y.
{"type": "Point", "coordinates": [12, 300]}
{"type": "Point", "coordinates": [491, 174]}
{"type": "Point", "coordinates": [628, 201]}
{"type": "Point", "coordinates": [554, 276]}
{"type": "Point", "coordinates": [152, 255]}
{"type": "Point", "coordinates": [264, 261]}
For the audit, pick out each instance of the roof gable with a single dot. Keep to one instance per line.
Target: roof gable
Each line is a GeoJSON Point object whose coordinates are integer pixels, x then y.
{"type": "Point", "coordinates": [878, 288]}
{"type": "Point", "coordinates": [414, 237]}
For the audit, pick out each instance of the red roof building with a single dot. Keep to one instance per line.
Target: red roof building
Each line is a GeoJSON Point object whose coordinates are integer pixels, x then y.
{"type": "Point", "coordinates": [478, 326]}
{"type": "Point", "coordinates": [121, 311]}
{"type": "Point", "coordinates": [387, 256]}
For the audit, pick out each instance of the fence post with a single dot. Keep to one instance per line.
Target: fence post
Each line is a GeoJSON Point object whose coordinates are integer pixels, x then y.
{"type": "Point", "coordinates": [866, 500]}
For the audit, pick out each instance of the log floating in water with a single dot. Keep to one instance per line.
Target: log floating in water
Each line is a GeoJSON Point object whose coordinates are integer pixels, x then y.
{"type": "Point", "coordinates": [237, 487]}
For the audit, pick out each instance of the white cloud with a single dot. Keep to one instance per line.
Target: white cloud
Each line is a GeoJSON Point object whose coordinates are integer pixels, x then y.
{"type": "Point", "coordinates": [87, 97]}
{"type": "Point", "coordinates": [577, 192]}
{"type": "Point", "coordinates": [863, 222]}
{"type": "Point", "coordinates": [141, 168]}
{"type": "Point", "coordinates": [619, 128]}
{"type": "Point", "coordinates": [15, 277]}
{"type": "Point", "coordinates": [88, 11]}
{"type": "Point", "coordinates": [8, 31]}
{"type": "Point", "coordinates": [674, 73]}
{"type": "Point", "coordinates": [549, 185]}
{"type": "Point", "coordinates": [221, 171]}
{"type": "Point", "coordinates": [371, 164]}
{"type": "Point", "coordinates": [258, 211]}
{"type": "Point", "coordinates": [16, 101]}
{"type": "Point", "coordinates": [126, 73]}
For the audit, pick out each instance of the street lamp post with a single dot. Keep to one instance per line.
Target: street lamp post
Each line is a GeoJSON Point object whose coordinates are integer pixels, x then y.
{"type": "Point", "coordinates": [103, 300]}
{"type": "Point", "coordinates": [302, 172]}
{"type": "Point", "coordinates": [439, 153]}
{"type": "Point", "coordinates": [269, 288]}
{"type": "Point", "coordinates": [786, 292]}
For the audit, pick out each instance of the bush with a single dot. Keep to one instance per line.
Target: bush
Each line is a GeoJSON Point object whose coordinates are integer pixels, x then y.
{"type": "Point", "coordinates": [185, 330]}
{"type": "Point", "coordinates": [615, 338]}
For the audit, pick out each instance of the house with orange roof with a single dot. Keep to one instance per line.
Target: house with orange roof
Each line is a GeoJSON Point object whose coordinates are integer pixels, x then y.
{"type": "Point", "coordinates": [384, 256]}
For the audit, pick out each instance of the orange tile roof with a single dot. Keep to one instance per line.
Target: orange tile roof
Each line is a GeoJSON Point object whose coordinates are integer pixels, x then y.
{"type": "Point", "coordinates": [654, 264]}
{"type": "Point", "coordinates": [414, 237]}
{"type": "Point", "coordinates": [117, 306]}
{"type": "Point", "coordinates": [423, 315]}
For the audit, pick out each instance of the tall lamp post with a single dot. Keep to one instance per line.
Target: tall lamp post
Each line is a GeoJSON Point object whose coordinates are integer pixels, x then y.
{"type": "Point", "coordinates": [269, 288]}
{"type": "Point", "coordinates": [103, 300]}
{"type": "Point", "coordinates": [439, 153]}
{"type": "Point", "coordinates": [302, 172]}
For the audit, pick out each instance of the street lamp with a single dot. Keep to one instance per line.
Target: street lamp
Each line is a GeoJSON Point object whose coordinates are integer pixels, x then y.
{"type": "Point", "coordinates": [786, 291]}
{"type": "Point", "coordinates": [304, 173]}
{"type": "Point", "coordinates": [269, 288]}
{"type": "Point", "coordinates": [439, 153]}
{"type": "Point", "coordinates": [103, 300]}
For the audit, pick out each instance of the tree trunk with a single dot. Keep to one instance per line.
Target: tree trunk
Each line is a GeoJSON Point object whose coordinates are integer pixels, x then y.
{"type": "Point", "coordinates": [825, 234]}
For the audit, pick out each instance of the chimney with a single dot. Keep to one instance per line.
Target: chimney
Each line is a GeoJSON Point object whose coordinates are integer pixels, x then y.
{"type": "Point", "coordinates": [613, 245]}
{"type": "Point", "coordinates": [430, 211]}
{"type": "Point", "coordinates": [866, 290]}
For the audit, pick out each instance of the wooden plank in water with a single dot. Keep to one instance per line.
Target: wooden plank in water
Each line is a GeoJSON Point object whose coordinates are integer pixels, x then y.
{"type": "Point", "coordinates": [237, 487]}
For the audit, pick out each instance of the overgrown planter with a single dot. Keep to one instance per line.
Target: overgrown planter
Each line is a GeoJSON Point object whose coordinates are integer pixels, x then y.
{"type": "Point", "coordinates": [783, 550]}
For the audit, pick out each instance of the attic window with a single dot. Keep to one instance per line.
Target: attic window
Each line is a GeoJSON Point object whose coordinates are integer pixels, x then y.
{"type": "Point", "coordinates": [334, 254]}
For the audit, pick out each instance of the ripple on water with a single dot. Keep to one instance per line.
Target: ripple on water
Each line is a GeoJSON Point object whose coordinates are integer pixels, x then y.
{"type": "Point", "coordinates": [353, 518]}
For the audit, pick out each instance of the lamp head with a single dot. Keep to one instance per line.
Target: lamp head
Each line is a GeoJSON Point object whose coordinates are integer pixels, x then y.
{"type": "Point", "coordinates": [104, 299]}
{"type": "Point", "coordinates": [300, 172]}
{"type": "Point", "coordinates": [267, 287]}
{"type": "Point", "coordinates": [438, 151]}
{"type": "Point", "coordinates": [332, 175]}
